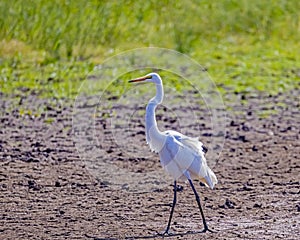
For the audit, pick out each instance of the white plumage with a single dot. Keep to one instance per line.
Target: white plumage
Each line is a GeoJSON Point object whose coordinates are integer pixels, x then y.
{"type": "Point", "coordinates": [181, 156]}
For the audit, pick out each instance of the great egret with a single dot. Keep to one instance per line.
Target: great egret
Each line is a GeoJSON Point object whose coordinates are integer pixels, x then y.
{"type": "Point", "coordinates": [182, 157]}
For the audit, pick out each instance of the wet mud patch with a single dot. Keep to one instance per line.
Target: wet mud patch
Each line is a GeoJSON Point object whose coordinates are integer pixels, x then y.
{"type": "Point", "coordinates": [48, 192]}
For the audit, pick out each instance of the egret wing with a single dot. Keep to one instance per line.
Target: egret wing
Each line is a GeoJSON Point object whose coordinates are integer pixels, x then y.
{"type": "Point", "coordinates": [188, 158]}
{"type": "Point", "coordinates": [190, 142]}
{"type": "Point", "coordinates": [168, 155]}
{"type": "Point", "coordinates": [177, 158]}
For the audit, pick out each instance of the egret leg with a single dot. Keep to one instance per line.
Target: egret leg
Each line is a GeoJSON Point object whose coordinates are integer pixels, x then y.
{"type": "Point", "coordinates": [172, 210]}
{"type": "Point", "coordinates": [199, 205]}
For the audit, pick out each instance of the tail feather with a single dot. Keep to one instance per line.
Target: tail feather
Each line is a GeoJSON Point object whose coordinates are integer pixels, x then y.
{"type": "Point", "coordinates": [210, 180]}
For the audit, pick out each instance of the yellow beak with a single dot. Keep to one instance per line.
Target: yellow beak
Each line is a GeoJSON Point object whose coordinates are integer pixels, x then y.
{"type": "Point", "coordinates": [139, 79]}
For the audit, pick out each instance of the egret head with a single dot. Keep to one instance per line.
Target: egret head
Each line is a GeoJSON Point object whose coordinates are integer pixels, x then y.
{"type": "Point", "coordinates": [151, 77]}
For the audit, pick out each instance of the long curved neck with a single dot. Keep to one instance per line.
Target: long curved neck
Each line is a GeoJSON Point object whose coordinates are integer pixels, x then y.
{"type": "Point", "coordinates": [153, 135]}
{"type": "Point", "coordinates": [159, 94]}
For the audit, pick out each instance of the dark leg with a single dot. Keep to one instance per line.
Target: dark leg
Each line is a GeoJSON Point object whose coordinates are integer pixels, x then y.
{"type": "Point", "coordinates": [199, 205]}
{"type": "Point", "coordinates": [172, 210]}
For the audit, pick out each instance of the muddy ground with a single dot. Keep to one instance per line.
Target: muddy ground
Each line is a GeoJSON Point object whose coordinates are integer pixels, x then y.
{"type": "Point", "coordinates": [47, 191]}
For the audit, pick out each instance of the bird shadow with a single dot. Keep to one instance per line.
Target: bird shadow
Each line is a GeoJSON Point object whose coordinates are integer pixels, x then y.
{"type": "Point", "coordinates": [159, 235]}
{"type": "Point", "coordinates": [153, 236]}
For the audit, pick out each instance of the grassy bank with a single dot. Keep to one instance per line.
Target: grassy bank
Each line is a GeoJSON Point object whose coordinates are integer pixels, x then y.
{"type": "Point", "coordinates": [50, 46]}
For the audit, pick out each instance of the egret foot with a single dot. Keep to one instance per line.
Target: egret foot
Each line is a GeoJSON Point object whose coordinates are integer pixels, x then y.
{"type": "Point", "coordinates": [165, 233]}
{"type": "Point", "coordinates": [206, 229]}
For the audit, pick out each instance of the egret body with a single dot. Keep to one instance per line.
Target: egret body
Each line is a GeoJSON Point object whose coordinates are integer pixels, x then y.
{"type": "Point", "coordinates": [181, 157]}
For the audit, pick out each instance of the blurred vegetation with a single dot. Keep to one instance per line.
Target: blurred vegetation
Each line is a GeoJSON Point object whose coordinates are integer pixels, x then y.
{"type": "Point", "coordinates": [50, 46]}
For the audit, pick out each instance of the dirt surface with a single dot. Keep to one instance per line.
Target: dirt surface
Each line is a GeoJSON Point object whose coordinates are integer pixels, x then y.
{"type": "Point", "coordinates": [47, 192]}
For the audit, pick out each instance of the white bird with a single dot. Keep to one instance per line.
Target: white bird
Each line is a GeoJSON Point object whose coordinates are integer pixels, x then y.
{"type": "Point", "coordinates": [182, 157]}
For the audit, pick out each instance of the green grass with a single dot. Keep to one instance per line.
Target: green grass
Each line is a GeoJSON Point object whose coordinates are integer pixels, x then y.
{"type": "Point", "coordinates": [50, 46]}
